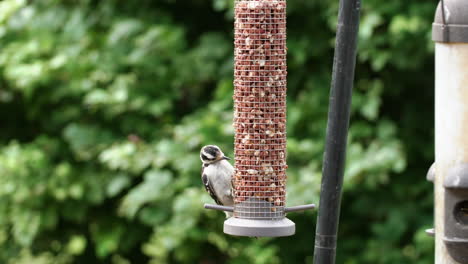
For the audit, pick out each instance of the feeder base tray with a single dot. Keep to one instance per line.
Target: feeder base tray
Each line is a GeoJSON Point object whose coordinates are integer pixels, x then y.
{"type": "Point", "coordinates": [259, 228]}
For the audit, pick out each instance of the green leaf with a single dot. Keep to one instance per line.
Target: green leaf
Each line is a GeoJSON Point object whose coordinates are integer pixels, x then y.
{"type": "Point", "coordinates": [152, 189]}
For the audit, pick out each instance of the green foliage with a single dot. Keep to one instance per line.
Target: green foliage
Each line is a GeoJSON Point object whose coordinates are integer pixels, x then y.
{"type": "Point", "coordinates": [105, 105]}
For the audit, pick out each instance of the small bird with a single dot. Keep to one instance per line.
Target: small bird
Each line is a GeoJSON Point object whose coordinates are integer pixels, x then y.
{"type": "Point", "coordinates": [216, 175]}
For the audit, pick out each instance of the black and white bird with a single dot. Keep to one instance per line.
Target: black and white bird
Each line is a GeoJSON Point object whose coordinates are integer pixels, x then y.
{"type": "Point", "coordinates": [216, 175]}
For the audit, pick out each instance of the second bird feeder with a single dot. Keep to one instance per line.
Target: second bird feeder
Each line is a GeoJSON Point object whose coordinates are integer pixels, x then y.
{"type": "Point", "coordinates": [260, 85]}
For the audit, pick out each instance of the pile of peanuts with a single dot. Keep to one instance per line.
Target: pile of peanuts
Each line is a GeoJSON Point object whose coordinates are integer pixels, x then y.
{"type": "Point", "coordinates": [260, 101]}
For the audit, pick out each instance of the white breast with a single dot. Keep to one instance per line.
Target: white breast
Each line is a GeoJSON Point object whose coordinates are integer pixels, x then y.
{"type": "Point", "coordinates": [220, 175]}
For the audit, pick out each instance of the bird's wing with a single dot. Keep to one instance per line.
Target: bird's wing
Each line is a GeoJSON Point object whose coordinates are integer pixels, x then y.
{"type": "Point", "coordinates": [209, 188]}
{"type": "Point", "coordinates": [232, 185]}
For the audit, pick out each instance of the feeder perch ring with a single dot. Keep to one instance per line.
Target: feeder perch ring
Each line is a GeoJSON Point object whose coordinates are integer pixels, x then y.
{"type": "Point", "coordinates": [261, 227]}
{"type": "Point", "coordinates": [230, 209]}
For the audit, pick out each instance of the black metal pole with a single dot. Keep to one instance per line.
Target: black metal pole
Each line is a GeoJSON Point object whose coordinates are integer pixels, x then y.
{"type": "Point", "coordinates": [337, 131]}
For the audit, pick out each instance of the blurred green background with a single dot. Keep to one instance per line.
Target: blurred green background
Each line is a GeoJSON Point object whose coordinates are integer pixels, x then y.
{"type": "Point", "coordinates": [105, 104]}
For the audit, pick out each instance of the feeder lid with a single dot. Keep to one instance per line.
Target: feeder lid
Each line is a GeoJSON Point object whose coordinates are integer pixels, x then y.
{"type": "Point", "coordinates": [455, 28]}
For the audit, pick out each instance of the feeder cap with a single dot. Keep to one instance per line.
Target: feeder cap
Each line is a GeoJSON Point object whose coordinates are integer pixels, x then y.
{"type": "Point", "coordinates": [455, 28]}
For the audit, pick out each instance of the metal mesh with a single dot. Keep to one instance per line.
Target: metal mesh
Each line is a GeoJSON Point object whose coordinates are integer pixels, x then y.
{"type": "Point", "coordinates": [260, 109]}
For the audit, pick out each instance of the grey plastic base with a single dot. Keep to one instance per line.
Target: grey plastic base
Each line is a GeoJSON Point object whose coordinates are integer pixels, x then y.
{"type": "Point", "coordinates": [259, 228]}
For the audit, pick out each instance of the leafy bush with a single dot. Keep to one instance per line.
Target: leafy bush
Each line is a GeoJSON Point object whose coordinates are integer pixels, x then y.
{"type": "Point", "coordinates": [105, 105]}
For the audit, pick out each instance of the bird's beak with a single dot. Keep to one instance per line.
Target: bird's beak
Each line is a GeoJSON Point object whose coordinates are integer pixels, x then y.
{"type": "Point", "coordinates": [226, 158]}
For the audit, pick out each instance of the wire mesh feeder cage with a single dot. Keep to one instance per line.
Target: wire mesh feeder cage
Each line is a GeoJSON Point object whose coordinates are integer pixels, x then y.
{"type": "Point", "coordinates": [260, 84]}
{"type": "Point", "coordinates": [260, 109]}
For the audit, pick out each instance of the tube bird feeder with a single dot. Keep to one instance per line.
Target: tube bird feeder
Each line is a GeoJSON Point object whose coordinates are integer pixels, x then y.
{"type": "Point", "coordinates": [450, 171]}
{"type": "Point", "coordinates": [260, 85]}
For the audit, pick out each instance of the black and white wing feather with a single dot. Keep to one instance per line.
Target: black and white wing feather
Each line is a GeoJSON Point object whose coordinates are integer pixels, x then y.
{"type": "Point", "coordinates": [209, 187]}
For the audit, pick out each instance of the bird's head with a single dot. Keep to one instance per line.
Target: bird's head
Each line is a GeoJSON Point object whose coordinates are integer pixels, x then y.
{"type": "Point", "coordinates": [211, 154]}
